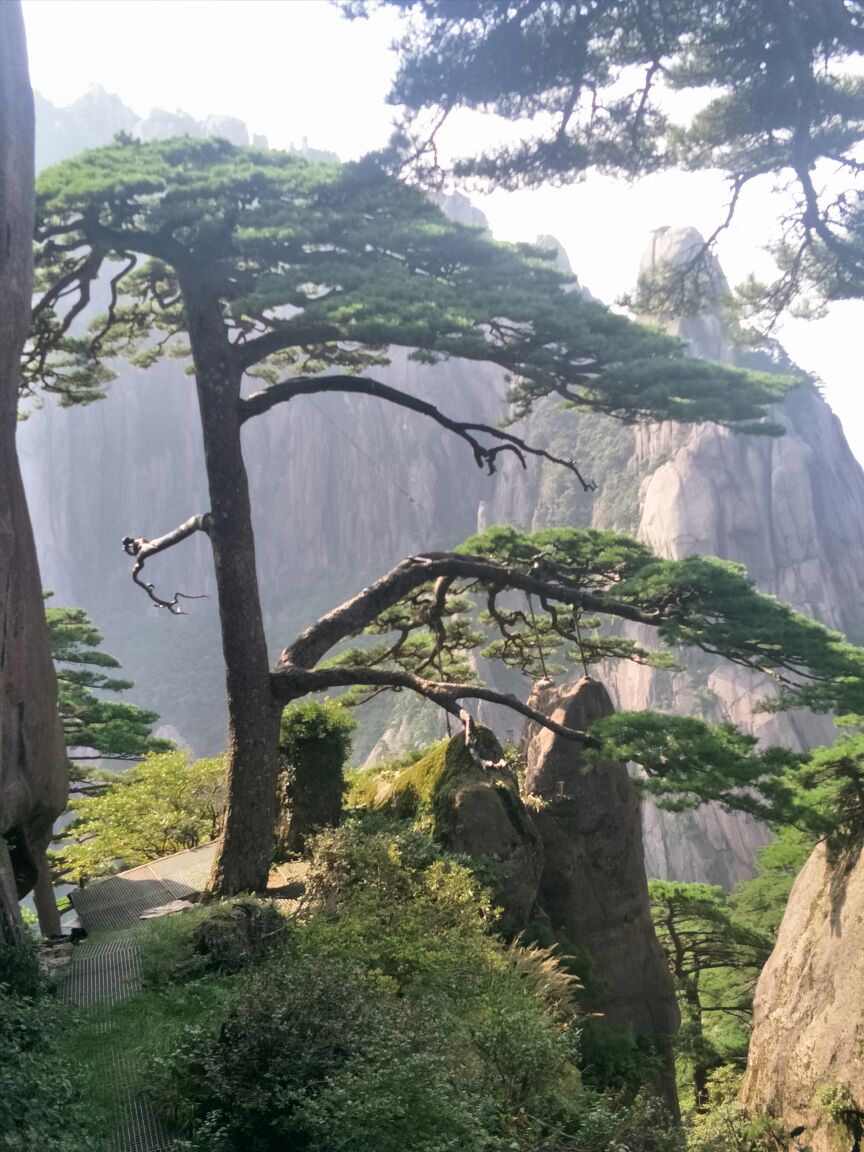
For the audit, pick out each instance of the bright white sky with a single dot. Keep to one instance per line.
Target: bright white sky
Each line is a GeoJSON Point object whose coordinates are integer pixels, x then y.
{"type": "Point", "coordinates": [295, 68]}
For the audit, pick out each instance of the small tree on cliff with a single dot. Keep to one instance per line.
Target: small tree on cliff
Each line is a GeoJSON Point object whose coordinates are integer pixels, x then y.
{"type": "Point", "coordinates": [715, 962]}
{"type": "Point", "coordinates": [302, 275]}
{"type": "Point", "coordinates": [98, 727]}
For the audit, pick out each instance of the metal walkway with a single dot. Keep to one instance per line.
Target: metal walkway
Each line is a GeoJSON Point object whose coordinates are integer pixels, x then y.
{"type": "Point", "coordinates": [105, 970]}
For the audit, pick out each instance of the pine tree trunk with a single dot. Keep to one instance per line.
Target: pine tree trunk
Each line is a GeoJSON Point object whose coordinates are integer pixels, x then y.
{"type": "Point", "coordinates": [245, 854]}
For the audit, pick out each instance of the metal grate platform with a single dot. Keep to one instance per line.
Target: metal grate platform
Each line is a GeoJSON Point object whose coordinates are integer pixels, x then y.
{"type": "Point", "coordinates": [105, 970]}
{"type": "Point", "coordinates": [119, 901]}
{"type": "Point", "coordinates": [141, 1130]}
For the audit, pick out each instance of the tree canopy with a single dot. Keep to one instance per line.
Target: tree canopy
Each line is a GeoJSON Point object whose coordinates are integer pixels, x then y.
{"type": "Point", "coordinates": [322, 267]}
{"type": "Point", "coordinates": [575, 588]}
{"type": "Point", "coordinates": [777, 86]}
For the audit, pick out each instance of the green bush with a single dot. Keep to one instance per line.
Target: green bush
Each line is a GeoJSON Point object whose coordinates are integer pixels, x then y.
{"type": "Point", "coordinates": [213, 938]}
{"type": "Point", "coordinates": [725, 1126]}
{"type": "Point", "coordinates": [315, 1054]}
{"type": "Point", "coordinates": [164, 804]}
{"type": "Point", "coordinates": [314, 745]}
{"type": "Point", "coordinates": [20, 974]}
{"type": "Point", "coordinates": [41, 1103]}
{"type": "Point", "coordinates": [389, 1017]}
{"type": "Point", "coordinates": [389, 898]}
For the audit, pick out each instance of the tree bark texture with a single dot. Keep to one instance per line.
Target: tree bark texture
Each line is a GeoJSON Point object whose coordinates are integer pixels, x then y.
{"type": "Point", "coordinates": [246, 850]}
{"type": "Point", "coordinates": [33, 766]}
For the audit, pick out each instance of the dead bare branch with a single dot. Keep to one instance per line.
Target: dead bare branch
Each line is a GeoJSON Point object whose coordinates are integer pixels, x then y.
{"type": "Point", "coordinates": [143, 549]}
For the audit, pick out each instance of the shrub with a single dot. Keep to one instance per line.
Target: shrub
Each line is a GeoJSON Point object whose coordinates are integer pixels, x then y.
{"type": "Point", "coordinates": [725, 1126]}
{"type": "Point", "coordinates": [215, 938]}
{"type": "Point", "coordinates": [314, 745]}
{"type": "Point", "coordinates": [20, 974]}
{"type": "Point", "coordinates": [164, 804]}
{"type": "Point", "coordinates": [314, 1054]}
{"type": "Point", "coordinates": [391, 899]}
{"type": "Point", "coordinates": [40, 1093]}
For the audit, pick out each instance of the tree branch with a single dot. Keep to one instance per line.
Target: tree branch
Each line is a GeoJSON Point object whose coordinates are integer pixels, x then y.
{"type": "Point", "coordinates": [143, 549]}
{"type": "Point", "coordinates": [290, 683]}
{"type": "Point", "coordinates": [484, 455]}
{"type": "Point", "coordinates": [354, 615]}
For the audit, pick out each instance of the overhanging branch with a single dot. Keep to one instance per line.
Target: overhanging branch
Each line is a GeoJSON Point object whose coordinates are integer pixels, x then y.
{"type": "Point", "coordinates": [485, 455]}
{"type": "Point", "coordinates": [350, 618]}
{"type": "Point", "coordinates": [290, 683]}
{"type": "Point", "coordinates": [143, 549]}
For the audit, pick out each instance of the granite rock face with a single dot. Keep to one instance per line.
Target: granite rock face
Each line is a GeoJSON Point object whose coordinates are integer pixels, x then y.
{"type": "Point", "coordinates": [33, 782]}
{"type": "Point", "coordinates": [806, 1062]}
{"type": "Point", "coordinates": [594, 887]}
{"type": "Point", "coordinates": [790, 508]}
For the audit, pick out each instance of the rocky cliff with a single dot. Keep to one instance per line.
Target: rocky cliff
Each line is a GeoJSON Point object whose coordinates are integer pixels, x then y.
{"type": "Point", "coordinates": [32, 755]}
{"type": "Point", "coordinates": [790, 508]}
{"type": "Point", "coordinates": [806, 1062]}
{"type": "Point", "coordinates": [343, 487]}
{"type": "Point", "coordinates": [593, 886]}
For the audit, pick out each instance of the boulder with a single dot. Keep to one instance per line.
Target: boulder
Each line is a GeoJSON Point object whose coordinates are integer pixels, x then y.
{"type": "Point", "coordinates": [806, 1062]}
{"type": "Point", "coordinates": [478, 811]}
{"type": "Point", "coordinates": [593, 886]}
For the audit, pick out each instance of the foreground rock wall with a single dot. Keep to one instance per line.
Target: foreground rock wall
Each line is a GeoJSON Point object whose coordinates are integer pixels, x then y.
{"type": "Point", "coordinates": [32, 758]}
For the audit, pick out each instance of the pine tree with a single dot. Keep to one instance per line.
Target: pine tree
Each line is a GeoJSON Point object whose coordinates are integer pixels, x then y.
{"type": "Point", "coordinates": [783, 101]}
{"type": "Point", "coordinates": [715, 962]}
{"type": "Point", "coordinates": [258, 264]}
{"type": "Point", "coordinates": [95, 727]}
